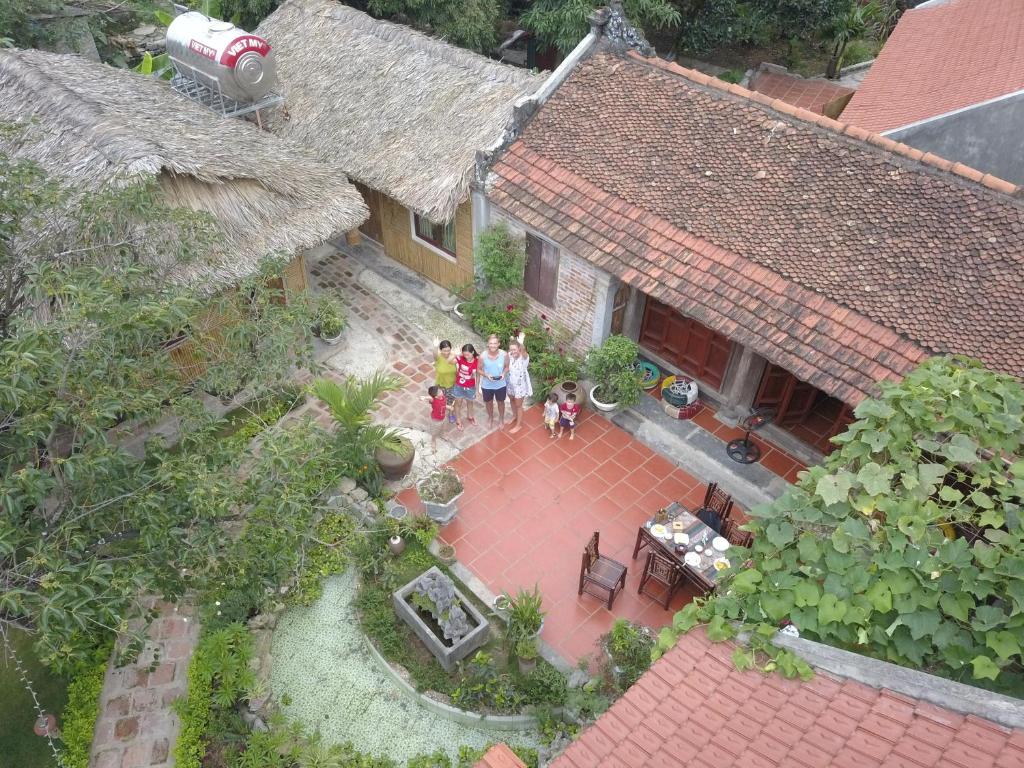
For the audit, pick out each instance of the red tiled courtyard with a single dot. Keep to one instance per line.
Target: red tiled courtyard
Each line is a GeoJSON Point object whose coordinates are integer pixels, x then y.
{"type": "Point", "coordinates": [532, 502]}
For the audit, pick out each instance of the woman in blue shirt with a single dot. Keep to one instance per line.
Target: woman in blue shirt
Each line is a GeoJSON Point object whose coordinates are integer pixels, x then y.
{"type": "Point", "coordinates": [494, 380]}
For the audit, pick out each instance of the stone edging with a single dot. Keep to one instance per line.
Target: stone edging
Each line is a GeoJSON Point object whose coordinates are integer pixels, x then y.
{"type": "Point", "coordinates": [486, 722]}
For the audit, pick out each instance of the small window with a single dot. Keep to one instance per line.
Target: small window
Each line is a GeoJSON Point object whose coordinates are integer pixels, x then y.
{"type": "Point", "coordinates": [441, 236]}
{"type": "Point", "coordinates": [540, 279]}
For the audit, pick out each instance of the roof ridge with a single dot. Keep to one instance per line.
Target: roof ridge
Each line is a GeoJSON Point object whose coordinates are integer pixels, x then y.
{"type": "Point", "coordinates": [837, 126]}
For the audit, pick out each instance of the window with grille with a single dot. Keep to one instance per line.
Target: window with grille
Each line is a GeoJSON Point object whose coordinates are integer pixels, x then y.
{"type": "Point", "coordinates": [441, 236]}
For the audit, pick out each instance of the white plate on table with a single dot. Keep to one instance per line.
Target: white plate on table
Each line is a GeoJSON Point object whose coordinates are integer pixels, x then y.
{"type": "Point", "coordinates": [722, 563]}
{"type": "Point", "coordinates": [692, 559]}
{"type": "Point", "coordinates": [682, 538]}
{"type": "Point", "coordinates": [660, 531]}
{"type": "Point", "coordinates": [720, 544]}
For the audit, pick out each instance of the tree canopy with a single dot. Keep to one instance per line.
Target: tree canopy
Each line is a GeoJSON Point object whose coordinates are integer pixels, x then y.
{"type": "Point", "coordinates": [563, 23]}
{"type": "Point", "coordinates": [906, 545]}
{"type": "Point", "coordinates": [91, 519]}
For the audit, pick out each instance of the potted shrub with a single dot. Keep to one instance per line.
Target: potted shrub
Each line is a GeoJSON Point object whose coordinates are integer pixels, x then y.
{"type": "Point", "coordinates": [628, 647]}
{"type": "Point", "coordinates": [330, 320]}
{"type": "Point", "coordinates": [446, 553]}
{"type": "Point", "coordinates": [527, 653]}
{"type": "Point", "coordinates": [554, 371]}
{"type": "Point", "coordinates": [525, 617]}
{"type": "Point", "coordinates": [612, 368]}
{"type": "Point", "coordinates": [396, 464]}
{"type": "Point", "coordinates": [440, 490]}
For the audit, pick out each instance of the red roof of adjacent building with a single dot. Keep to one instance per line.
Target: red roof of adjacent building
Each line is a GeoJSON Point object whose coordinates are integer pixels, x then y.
{"type": "Point", "coordinates": [942, 56]}
{"type": "Point", "coordinates": [499, 756]}
{"type": "Point", "coordinates": [815, 94]}
{"type": "Point", "coordinates": [693, 707]}
{"type": "Point", "coordinates": [842, 256]}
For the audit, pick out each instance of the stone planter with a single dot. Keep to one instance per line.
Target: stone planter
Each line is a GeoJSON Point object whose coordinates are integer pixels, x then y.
{"type": "Point", "coordinates": [445, 651]}
{"type": "Point", "coordinates": [446, 554]}
{"type": "Point", "coordinates": [396, 545]}
{"type": "Point", "coordinates": [457, 311]}
{"type": "Point", "coordinates": [568, 387]}
{"type": "Point", "coordinates": [441, 513]}
{"type": "Point", "coordinates": [332, 340]}
{"type": "Point", "coordinates": [396, 465]}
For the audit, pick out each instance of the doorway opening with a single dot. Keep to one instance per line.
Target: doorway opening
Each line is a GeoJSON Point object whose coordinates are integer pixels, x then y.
{"type": "Point", "coordinates": [802, 409]}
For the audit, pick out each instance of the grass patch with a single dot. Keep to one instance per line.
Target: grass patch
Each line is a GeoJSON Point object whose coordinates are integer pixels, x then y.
{"type": "Point", "coordinates": [19, 746]}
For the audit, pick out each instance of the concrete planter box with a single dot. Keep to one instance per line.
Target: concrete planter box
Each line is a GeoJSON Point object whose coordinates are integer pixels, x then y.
{"type": "Point", "coordinates": [447, 653]}
{"type": "Point", "coordinates": [440, 513]}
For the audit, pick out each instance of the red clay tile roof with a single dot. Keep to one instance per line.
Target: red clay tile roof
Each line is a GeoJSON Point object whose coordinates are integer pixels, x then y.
{"type": "Point", "coordinates": [499, 756]}
{"type": "Point", "coordinates": [941, 58]}
{"type": "Point", "coordinates": [693, 707]}
{"type": "Point", "coordinates": [804, 244]}
{"type": "Point", "coordinates": [813, 94]}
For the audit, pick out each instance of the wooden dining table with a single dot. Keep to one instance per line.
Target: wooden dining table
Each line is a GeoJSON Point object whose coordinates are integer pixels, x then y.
{"type": "Point", "coordinates": [704, 574]}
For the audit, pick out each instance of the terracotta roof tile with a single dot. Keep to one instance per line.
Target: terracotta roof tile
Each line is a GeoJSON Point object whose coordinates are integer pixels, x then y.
{"type": "Point", "coordinates": [878, 246]}
{"type": "Point", "coordinates": [942, 58]}
{"type": "Point", "coordinates": [838, 724]}
{"type": "Point", "coordinates": [499, 756]}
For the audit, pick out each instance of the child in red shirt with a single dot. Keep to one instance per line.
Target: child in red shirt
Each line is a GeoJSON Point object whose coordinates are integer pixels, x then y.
{"type": "Point", "coordinates": [438, 411]}
{"type": "Point", "coordinates": [467, 380]}
{"type": "Point", "coordinates": [568, 413]}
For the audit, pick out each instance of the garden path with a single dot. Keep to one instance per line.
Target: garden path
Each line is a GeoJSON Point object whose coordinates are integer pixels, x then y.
{"type": "Point", "coordinates": [136, 727]}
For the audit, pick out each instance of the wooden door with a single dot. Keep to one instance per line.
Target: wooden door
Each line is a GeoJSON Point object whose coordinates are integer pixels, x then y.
{"type": "Point", "coordinates": [682, 341]}
{"type": "Point", "coordinates": [802, 397]}
{"type": "Point", "coordinates": [776, 384]}
{"type": "Point", "coordinates": [619, 303]}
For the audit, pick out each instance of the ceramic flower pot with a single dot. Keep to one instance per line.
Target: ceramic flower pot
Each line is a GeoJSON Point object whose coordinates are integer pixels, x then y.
{"type": "Point", "coordinates": [606, 407]}
{"type": "Point", "coordinates": [396, 545]}
{"type": "Point", "coordinates": [396, 465]}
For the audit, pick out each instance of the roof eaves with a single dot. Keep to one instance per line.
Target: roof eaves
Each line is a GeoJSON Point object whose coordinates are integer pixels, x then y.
{"type": "Point", "coordinates": [836, 126]}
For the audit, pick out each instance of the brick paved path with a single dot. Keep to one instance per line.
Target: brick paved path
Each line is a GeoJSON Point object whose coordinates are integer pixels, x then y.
{"type": "Point", "coordinates": [137, 727]}
{"type": "Point", "coordinates": [405, 335]}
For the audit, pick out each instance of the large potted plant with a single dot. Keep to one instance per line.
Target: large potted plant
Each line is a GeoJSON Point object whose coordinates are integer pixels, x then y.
{"type": "Point", "coordinates": [357, 437]}
{"type": "Point", "coordinates": [525, 617]}
{"type": "Point", "coordinates": [612, 369]}
{"type": "Point", "coordinates": [329, 320]}
{"type": "Point", "coordinates": [396, 464]}
{"type": "Point", "coordinates": [439, 491]}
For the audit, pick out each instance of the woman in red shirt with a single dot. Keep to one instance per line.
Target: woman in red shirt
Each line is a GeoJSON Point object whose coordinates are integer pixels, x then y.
{"type": "Point", "coordinates": [467, 379]}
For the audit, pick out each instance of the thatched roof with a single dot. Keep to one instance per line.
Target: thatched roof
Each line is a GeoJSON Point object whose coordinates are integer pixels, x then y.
{"type": "Point", "coordinates": [89, 125]}
{"type": "Point", "coordinates": [401, 112]}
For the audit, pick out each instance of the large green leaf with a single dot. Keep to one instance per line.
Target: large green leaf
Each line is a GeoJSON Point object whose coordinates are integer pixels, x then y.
{"type": "Point", "coordinates": [984, 668]}
{"type": "Point", "coordinates": [806, 593]}
{"type": "Point", "coordinates": [745, 582]}
{"type": "Point", "coordinates": [880, 596]}
{"type": "Point", "coordinates": [921, 623]}
{"type": "Point", "coordinates": [1004, 643]}
{"type": "Point", "coordinates": [780, 533]}
{"type": "Point", "coordinates": [875, 478]}
{"type": "Point", "coordinates": [962, 449]}
{"type": "Point", "coordinates": [834, 488]}
{"type": "Point", "coordinates": [777, 605]}
{"type": "Point", "coordinates": [957, 605]}
{"type": "Point", "coordinates": [831, 609]}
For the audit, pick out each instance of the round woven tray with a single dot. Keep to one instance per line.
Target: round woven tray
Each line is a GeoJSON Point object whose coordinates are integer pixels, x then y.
{"type": "Point", "coordinates": [684, 412]}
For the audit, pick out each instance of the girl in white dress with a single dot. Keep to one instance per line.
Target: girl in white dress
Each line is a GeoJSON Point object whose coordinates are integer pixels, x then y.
{"type": "Point", "coordinates": [519, 386]}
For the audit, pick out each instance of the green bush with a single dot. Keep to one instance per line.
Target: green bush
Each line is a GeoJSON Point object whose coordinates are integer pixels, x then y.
{"type": "Point", "coordinates": [545, 686]}
{"type": "Point", "coordinates": [612, 368]}
{"type": "Point", "coordinates": [858, 51]}
{"type": "Point", "coordinates": [218, 676]}
{"type": "Point", "coordinates": [502, 258]}
{"type": "Point", "coordinates": [629, 649]}
{"type": "Point", "coordinates": [327, 556]}
{"type": "Point", "coordinates": [83, 707]}
{"type": "Point", "coordinates": [482, 685]}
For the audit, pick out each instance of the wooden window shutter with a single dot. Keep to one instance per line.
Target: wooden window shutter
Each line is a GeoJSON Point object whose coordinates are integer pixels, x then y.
{"type": "Point", "coordinates": [540, 279]}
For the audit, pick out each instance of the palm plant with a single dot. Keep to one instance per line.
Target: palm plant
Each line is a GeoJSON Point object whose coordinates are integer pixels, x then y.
{"type": "Point", "coordinates": [857, 22]}
{"type": "Point", "coordinates": [352, 403]}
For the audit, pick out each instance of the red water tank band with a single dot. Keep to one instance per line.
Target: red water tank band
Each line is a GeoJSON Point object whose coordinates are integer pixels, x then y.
{"type": "Point", "coordinates": [242, 45]}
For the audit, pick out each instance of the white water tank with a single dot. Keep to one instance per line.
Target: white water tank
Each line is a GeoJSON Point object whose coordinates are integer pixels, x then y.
{"type": "Point", "coordinates": [221, 56]}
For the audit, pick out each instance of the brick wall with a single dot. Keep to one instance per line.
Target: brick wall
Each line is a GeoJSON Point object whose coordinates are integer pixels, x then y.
{"type": "Point", "coordinates": [575, 300]}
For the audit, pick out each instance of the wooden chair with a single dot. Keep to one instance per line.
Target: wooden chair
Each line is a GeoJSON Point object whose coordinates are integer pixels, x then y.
{"type": "Point", "coordinates": [715, 510]}
{"type": "Point", "coordinates": [664, 572]}
{"type": "Point", "coordinates": [601, 573]}
{"type": "Point", "coordinates": [735, 536]}
{"type": "Point", "coordinates": [644, 538]}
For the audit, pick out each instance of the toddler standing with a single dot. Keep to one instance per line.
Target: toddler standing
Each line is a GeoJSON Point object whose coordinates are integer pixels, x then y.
{"type": "Point", "coordinates": [551, 413]}
{"type": "Point", "coordinates": [438, 411]}
{"type": "Point", "coordinates": [568, 412]}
